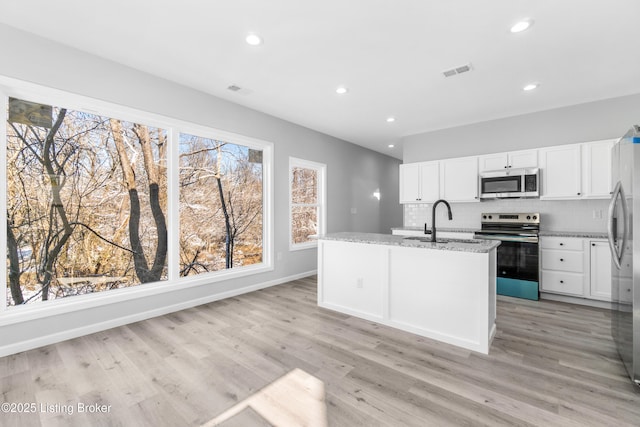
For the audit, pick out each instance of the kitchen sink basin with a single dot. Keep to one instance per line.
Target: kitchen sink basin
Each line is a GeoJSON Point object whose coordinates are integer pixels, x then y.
{"type": "Point", "coordinates": [428, 240]}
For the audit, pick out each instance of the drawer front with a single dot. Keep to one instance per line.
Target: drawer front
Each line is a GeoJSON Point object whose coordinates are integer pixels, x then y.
{"type": "Point", "coordinates": [562, 243]}
{"type": "Point", "coordinates": [566, 283]}
{"type": "Point", "coordinates": [570, 261]}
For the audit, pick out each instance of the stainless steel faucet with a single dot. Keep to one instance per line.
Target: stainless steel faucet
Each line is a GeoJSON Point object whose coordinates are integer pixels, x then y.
{"type": "Point", "coordinates": [433, 217]}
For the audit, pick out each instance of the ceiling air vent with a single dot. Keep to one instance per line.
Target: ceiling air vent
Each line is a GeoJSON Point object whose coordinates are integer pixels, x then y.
{"type": "Point", "coordinates": [457, 70]}
{"type": "Point", "coordinates": [239, 90]}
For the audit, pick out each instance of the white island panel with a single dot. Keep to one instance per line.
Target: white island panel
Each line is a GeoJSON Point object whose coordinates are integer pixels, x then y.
{"type": "Point", "coordinates": [357, 274]}
{"type": "Point", "coordinates": [443, 295]}
{"type": "Point", "coordinates": [441, 291]}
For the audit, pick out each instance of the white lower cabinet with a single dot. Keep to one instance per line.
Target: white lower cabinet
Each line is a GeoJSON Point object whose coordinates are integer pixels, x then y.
{"type": "Point", "coordinates": [562, 282]}
{"type": "Point", "coordinates": [573, 266]}
{"type": "Point", "coordinates": [562, 265]}
{"type": "Point", "coordinates": [600, 270]}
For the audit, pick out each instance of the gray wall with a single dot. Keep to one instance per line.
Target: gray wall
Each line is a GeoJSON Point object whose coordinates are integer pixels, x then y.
{"type": "Point", "coordinates": [593, 121]}
{"type": "Point", "coordinates": [354, 173]}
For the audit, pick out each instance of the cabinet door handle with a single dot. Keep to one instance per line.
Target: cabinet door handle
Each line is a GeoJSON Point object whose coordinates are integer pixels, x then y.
{"type": "Point", "coordinates": [561, 281]}
{"type": "Point", "coordinates": [561, 259]}
{"type": "Point", "coordinates": [561, 244]}
{"type": "Point", "coordinates": [505, 167]}
{"type": "Point", "coordinates": [578, 194]}
{"type": "Point", "coordinates": [593, 244]}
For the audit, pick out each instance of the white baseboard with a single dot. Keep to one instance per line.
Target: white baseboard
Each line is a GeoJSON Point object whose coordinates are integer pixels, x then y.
{"type": "Point", "coordinates": [30, 344]}
{"type": "Point", "coordinates": [575, 300]}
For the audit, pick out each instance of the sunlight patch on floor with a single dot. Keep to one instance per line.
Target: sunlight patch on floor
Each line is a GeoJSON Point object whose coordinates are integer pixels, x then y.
{"type": "Point", "coordinates": [296, 399]}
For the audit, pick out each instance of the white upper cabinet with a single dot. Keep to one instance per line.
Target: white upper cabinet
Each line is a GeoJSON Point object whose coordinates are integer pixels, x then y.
{"type": "Point", "coordinates": [410, 183]}
{"type": "Point", "coordinates": [430, 181]}
{"type": "Point", "coordinates": [567, 172]}
{"type": "Point", "coordinates": [597, 182]}
{"type": "Point", "coordinates": [513, 160]}
{"type": "Point", "coordinates": [459, 179]}
{"type": "Point", "coordinates": [419, 182]}
{"type": "Point", "coordinates": [577, 171]}
{"type": "Point", "coordinates": [523, 159]}
{"type": "Point", "coordinates": [561, 170]}
{"type": "Point", "coordinates": [493, 162]}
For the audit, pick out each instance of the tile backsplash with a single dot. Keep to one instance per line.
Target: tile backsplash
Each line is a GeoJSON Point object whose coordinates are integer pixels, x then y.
{"type": "Point", "coordinates": [555, 215]}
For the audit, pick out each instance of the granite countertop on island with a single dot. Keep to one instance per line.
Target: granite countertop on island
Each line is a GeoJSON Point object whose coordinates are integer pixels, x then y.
{"type": "Point", "coordinates": [443, 229]}
{"type": "Point", "coordinates": [470, 245]}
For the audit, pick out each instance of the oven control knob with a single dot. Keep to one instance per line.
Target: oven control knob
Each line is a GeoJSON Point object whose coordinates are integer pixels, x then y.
{"type": "Point", "coordinates": [490, 217]}
{"type": "Point", "coordinates": [528, 216]}
{"type": "Point", "coordinates": [484, 217]}
{"type": "Point", "coordinates": [535, 217]}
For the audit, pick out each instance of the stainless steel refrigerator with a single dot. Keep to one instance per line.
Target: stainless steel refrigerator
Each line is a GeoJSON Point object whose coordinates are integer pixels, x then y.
{"type": "Point", "coordinates": [625, 250]}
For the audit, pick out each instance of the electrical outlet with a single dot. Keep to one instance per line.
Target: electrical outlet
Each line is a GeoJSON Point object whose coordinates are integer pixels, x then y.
{"type": "Point", "coordinates": [279, 256]}
{"type": "Point", "coordinates": [597, 214]}
{"type": "Point", "coordinates": [360, 282]}
{"type": "Point", "coordinates": [354, 211]}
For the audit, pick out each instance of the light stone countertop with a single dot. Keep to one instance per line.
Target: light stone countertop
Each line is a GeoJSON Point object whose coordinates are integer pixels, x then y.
{"type": "Point", "coordinates": [443, 229]}
{"type": "Point", "coordinates": [550, 233]}
{"type": "Point", "coordinates": [472, 245]}
{"type": "Point", "coordinates": [579, 234]}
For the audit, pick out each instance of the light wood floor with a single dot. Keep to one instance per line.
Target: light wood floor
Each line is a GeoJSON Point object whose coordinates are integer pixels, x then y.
{"type": "Point", "coordinates": [550, 364]}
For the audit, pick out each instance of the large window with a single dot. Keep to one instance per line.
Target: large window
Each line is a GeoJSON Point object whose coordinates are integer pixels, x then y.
{"type": "Point", "coordinates": [220, 205]}
{"type": "Point", "coordinates": [96, 201]}
{"type": "Point", "coordinates": [307, 202]}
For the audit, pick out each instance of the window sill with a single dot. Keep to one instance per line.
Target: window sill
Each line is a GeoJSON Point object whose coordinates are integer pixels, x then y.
{"type": "Point", "coordinates": [18, 314]}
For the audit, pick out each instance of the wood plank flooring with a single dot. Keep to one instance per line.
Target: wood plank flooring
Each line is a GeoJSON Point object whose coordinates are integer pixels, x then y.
{"type": "Point", "coordinates": [551, 364]}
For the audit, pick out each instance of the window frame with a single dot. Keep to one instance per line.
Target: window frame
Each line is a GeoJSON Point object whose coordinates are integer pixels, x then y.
{"type": "Point", "coordinates": [10, 87]}
{"type": "Point", "coordinates": [321, 169]}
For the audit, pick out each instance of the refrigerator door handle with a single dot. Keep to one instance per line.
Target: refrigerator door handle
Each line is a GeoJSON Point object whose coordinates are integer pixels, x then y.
{"type": "Point", "coordinates": [617, 192]}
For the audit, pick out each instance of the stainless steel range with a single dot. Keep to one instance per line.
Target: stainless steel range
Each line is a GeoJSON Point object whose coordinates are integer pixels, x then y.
{"type": "Point", "coordinates": [517, 274]}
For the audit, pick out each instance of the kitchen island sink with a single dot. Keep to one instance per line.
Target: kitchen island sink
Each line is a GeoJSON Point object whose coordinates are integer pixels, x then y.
{"type": "Point", "coordinates": [444, 290]}
{"type": "Point", "coordinates": [426, 239]}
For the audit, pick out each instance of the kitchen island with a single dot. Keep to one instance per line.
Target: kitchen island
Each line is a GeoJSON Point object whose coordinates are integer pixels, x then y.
{"type": "Point", "coordinates": [444, 290]}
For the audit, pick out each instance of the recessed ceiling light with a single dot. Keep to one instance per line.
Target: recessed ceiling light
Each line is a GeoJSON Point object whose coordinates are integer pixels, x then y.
{"type": "Point", "coordinates": [253, 39]}
{"type": "Point", "coordinates": [390, 145]}
{"type": "Point", "coordinates": [391, 119]}
{"type": "Point", "coordinates": [530, 87]}
{"type": "Point", "coordinates": [342, 90]}
{"type": "Point", "coordinates": [521, 26]}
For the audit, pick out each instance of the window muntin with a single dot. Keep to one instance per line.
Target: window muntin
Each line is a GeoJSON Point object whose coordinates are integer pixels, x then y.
{"type": "Point", "coordinates": [307, 202]}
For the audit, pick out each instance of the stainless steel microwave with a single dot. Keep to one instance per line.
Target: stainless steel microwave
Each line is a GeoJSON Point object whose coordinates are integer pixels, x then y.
{"type": "Point", "coordinates": [510, 183]}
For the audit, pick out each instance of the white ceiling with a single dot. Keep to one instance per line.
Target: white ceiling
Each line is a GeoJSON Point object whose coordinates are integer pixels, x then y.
{"type": "Point", "coordinates": [389, 53]}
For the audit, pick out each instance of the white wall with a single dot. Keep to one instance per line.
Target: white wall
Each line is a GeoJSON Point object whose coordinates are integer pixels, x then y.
{"type": "Point", "coordinates": [606, 119]}
{"type": "Point", "coordinates": [354, 173]}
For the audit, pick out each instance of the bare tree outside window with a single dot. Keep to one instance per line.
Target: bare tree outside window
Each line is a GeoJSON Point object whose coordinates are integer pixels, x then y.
{"type": "Point", "coordinates": [221, 202]}
{"type": "Point", "coordinates": [306, 184]}
{"type": "Point", "coordinates": [86, 203]}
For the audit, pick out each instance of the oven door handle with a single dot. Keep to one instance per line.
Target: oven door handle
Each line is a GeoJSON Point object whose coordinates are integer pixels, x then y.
{"type": "Point", "coordinates": [506, 238]}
